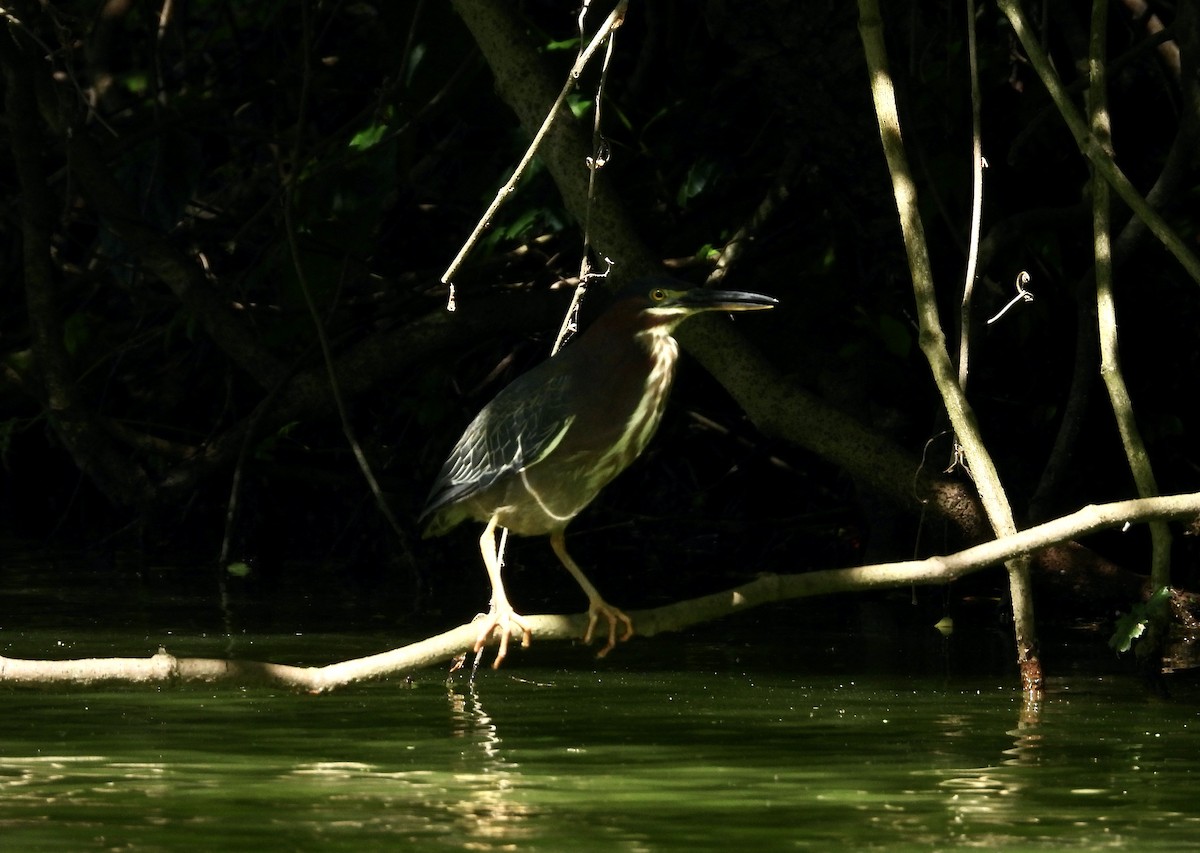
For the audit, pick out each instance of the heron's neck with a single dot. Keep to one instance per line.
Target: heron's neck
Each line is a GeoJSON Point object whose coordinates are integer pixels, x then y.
{"type": "Point", "coordinates": [661, 351]}
{"type": "Point", "coordinates": [661, 346]}
{"type": "Point", "coordinates": [664, 353]}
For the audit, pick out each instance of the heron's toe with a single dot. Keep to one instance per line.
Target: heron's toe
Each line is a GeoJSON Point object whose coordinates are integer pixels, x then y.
{"type": "Point", "coordinates": [612, 615]}
{"type": "Point", "coordinates": [503, 622]}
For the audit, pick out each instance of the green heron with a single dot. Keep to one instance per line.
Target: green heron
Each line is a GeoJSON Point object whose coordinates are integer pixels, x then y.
{"type": "Point", "coordinates": [538, 453]}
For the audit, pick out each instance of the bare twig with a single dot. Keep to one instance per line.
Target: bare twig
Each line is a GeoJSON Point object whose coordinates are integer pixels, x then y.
{"type": "Point", "coordinates": [68, 68]}
{"type": "Point", "coordinates": [595, 162]}
{"type": "Point", "coordinates": [774, 199]}
{"type": "Point", "coordinates": [977, 164]}
{"type": "Point", "coordinates": [614, 20]}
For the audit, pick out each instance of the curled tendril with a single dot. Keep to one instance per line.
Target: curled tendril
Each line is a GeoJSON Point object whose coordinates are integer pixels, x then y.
{"type": "Point", "coordinates": [1022, 295]}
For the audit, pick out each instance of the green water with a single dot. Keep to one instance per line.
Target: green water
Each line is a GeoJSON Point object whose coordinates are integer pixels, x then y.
{"type": "Point", "coordinates": [584, 760]}
{"type": "Point", "coordinates": [761, 733]}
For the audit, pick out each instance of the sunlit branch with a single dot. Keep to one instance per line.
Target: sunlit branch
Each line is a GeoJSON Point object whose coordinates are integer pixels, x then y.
{"type": "Point", "coordinates": [933, 342]}
{"type": "Point", "coordinates": [964, 331]}
{"type": "Point", "coordinates": [164, 667]}
{"type": "Point", "coordinates": [1106, 307]}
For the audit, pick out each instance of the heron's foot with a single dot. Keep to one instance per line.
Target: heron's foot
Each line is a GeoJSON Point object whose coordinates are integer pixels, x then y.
{"type": "Point", "coordinates": [503, 621]}
{"type": "Point", "coordinates": [599, 608]}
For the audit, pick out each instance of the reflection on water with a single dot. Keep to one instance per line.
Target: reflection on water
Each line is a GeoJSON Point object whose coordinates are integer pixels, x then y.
{"type": "Point", "coordinates": [490, 810]}
{"type": "Point", "coordinates": [1027, 742]}
{"type": "Point", "coordinates": [699, 745]}
{"type": "Point", "coordinates": [589, 760]}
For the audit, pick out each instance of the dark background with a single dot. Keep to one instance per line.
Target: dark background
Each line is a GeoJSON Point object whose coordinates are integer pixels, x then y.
{"type": "Point", "coordinates": [385, 119]}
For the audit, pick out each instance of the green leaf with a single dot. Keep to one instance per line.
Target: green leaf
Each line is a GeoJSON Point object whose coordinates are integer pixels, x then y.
{"type": "Point", "coordinates": [895, 335]}
{"type": "Point", "coordinates": [522, 224]}
{"type": "Point", "coordinates": [265, 450]}
{"type": "Point", "coordinates": [7, 429]}
{"type": "Point", "coordinates": [368, 136]}
{"type": "Point", "coordinates": [565, 44]}
{"type": "Point", "coordinates": [414, 59]}
{"type": "Point", "coordinates": [1130, 626]}
{"type": "Point", "coordinates": [699, 177]}
{"type": "Point", "coordinates": [77, 331]}
{"type": "Point", "coordinates": [579, 105]}
{"type": "Point", "coordinates": [238, 569]}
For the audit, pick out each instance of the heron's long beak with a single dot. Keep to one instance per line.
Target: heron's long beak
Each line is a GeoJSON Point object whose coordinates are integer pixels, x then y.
{"type": "Point", "coordinates": [700, 299]}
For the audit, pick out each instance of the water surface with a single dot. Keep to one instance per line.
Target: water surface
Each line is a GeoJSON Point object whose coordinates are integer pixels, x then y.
{"type": "Point", "coordinates": [751, 734]}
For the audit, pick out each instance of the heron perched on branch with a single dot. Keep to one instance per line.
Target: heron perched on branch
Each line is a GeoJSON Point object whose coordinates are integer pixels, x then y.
{"type": "Point", "coordinates": [539, 452]}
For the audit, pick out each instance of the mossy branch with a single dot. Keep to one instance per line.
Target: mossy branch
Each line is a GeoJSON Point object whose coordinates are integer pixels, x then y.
{"type": "Point", "coordinates": [1106, 307]}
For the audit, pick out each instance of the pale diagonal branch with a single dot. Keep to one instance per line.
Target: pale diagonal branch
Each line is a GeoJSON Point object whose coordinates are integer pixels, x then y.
{"type": "Point", "coordinates": [933, 343]}
{"type": "Point", "coordinates": [166, 668]}
{"type": "Point", "coordinates": [1106, 307]}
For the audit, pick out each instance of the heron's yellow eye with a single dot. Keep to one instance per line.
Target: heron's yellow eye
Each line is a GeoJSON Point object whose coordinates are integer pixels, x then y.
{"type": "Point", "coordinates": [658, 294]}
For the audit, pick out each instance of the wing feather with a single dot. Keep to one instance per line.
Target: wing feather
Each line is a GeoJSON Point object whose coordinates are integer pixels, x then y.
{"type": "Point", "coordinates": [523, 424]}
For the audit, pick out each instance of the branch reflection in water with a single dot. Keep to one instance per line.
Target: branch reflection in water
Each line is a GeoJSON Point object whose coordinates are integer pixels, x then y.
{"type": "Point", "coordinates": [494, 809]}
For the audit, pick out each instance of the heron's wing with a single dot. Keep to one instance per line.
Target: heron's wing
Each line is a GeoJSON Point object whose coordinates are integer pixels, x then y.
{"type": "Point", "coordinates": [524, 423]}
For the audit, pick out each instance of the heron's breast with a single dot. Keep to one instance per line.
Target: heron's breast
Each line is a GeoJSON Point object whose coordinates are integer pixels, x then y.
{"type": "Point", "coordinates": [643, 417]}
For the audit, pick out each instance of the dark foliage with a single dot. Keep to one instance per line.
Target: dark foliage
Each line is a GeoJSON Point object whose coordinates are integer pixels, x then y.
{"type": "Point", "coordinates": [166, 340]}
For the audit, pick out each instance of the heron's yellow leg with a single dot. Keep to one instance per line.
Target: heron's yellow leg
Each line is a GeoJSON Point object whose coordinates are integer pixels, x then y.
{"type": "Point", "coordinates": [597, 606]}
{"type": "Point", "coordinates": [501, 617]}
